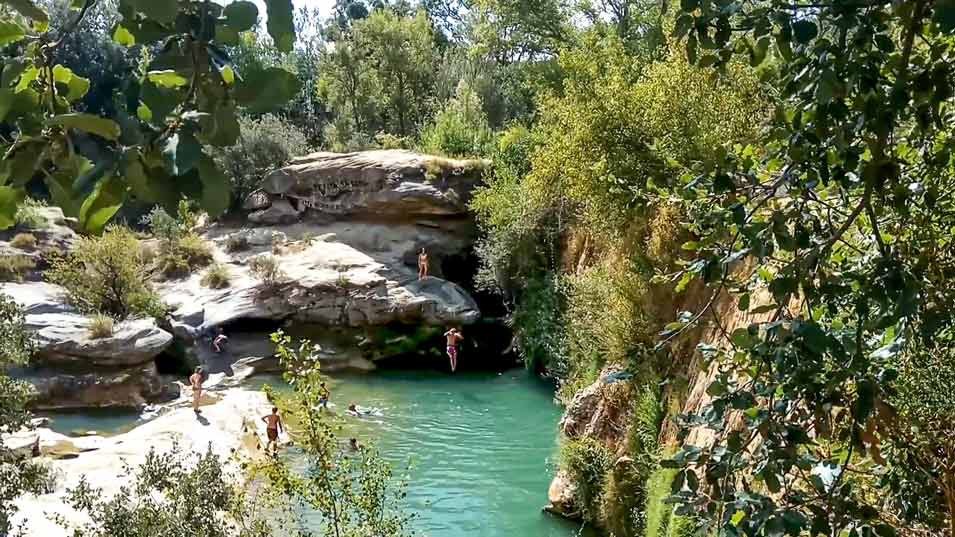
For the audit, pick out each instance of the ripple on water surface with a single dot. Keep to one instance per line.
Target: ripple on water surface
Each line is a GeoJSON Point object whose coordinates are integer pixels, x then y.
{"type": "Point", "coordinates": [482, 447]}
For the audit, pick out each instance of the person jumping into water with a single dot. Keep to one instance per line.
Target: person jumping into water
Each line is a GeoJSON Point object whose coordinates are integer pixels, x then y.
{"type": "Point", "coordinates": [196, 382]}
{"type": "Point", "coordinates": [273, 426]}
{"type": "Point", "coordinates": [422, 264]}
{"type": "Point", "coordinates": [453, 336]}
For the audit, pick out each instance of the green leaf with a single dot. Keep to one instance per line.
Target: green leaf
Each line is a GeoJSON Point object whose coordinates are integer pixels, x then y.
{"type": "Point", "coordinates": [804, 31]}
{"type": "Point", "coordinates": [12, 69]}
{"type": "Point", "coordinates": [160, 101]}
{"type": "Point", "coordinates": [167, 79]}
{"type": "Point", "coordinates": [738, 517]}
{"type": "Point", "coordinates": [241, 15]}
{"type": "Point", "coordinates": [6, 101]}
{"type": "Point", "coordinates": [743, 302]}
{"type": "Point", "coordinates": [123, 37]}
{"type": "Point", "coordinates": [105, 128]}
{"type": "Point", "coordinates": [10, 198]}
{"type": "Point", "coordinates": [11, 32]}
{"type": "Point", "coordinates": [102, 204]}
{"type": "Point", "coordinates": [221, 128]}
{"type": "Point", "coordinates": [216, 194]}
{"type": "Point", "coordinates": [163, 11]}
{"type": "Point", "coordinates": [280, 24]}
{"type": "Point", "coordinates": [691, 246]}
{"type": "Point", "coordinates": [144, 113]}
{"type": "Point", "coordinates": [226, 35]}
{"type": "Point", "coordinates": [138, 181]}
{"type": "Point", "coordinates": [267, 89]}
{"type": "Point", "coordinates": [181, 152]}
{"type": "Point", "coordinates": [28, 9]}
{"type": "Point", "coordinates": [228, 75]}
{"type": "Point", "coordinates": [944, 15]}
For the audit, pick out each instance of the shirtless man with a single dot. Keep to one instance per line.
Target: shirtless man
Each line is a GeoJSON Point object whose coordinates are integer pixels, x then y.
{"type": "Point", "coordinates": [323, 395]}
{"type": "Point", "coordinates": [453, 337]}
{"type": "Point", "coordinates": [196, 382]}
{"type": "Point", "coordinates": [273, 426]}
{"type": "Point", "coordinates": [422, 264]}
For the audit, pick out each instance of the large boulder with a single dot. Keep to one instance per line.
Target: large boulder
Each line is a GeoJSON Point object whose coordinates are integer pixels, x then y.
{"type": "Point", "coordinates": [385, 183]}
{"type": "Point", "coordinates": [96, 388]}
{"type": "Point", "coordinates": [63, 335]}
{"type": "Point", "coordinates": [326, 283]}
{"type": "Point", "coordinates": [74, 370]}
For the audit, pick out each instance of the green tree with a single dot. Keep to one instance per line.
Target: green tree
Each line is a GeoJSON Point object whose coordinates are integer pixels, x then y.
{"type": "Point", "coordinates": [18, 475]}
{"type": "Point", "coordinates": [183, 95]}
{"type": "Point", "coordinates": [835, 228]}
{"type": "Point", "coordinates": [460, 129]}
{"type": "Point", "coordinates": [402, 51]}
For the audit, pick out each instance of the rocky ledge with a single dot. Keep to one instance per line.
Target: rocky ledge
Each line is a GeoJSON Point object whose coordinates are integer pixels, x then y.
{"type": "Point", "coordinates": [229, 426]}
{"type": "Point", "coordinates": [73, 369]}
{"type": "Point", "coordinates": [379, 184]}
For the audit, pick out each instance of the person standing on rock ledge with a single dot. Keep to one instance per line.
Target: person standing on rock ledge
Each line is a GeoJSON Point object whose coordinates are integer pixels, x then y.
{"type": "Point", "coordinates": [196, 382]}
{"type": "Point", "coordinates": [422, 264]}
{"type": "Point", "coordinates": [453, 337]}
{"type": "Point", "coordinates": [273, 426]}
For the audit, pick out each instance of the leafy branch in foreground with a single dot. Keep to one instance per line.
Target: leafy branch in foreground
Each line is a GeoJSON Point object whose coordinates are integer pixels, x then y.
{"type": "Point", "coordinates": [17, 474]}
{"type": "Point", "coordinates": [836, 231]}
{"type": "Point", "coordinates": [355, 492]}
{"type": "Point", "coordinates": [184, 95]}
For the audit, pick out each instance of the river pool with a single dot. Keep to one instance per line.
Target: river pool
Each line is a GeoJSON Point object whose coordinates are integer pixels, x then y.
{"type": "Point", "coordinates": [482, 445]}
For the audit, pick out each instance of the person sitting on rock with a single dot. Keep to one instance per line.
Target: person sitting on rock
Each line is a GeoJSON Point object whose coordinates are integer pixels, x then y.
{"type": "Point", "coordinates": [219, 341]}
{"type": "Point", "coordinates": [422, 264]}
{"type": "Point", "coordinates": [453, 337]}
{"type": "Point", "coordinates": [273, 426]}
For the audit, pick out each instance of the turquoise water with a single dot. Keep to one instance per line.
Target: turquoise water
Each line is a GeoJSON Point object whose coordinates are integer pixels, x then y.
{"type": "Point", "coordinates": [482, 446]}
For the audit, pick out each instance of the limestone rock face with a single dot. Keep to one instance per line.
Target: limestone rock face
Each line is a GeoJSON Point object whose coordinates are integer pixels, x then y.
{"type": "Point", "coordinates": [561, 494]}
{"type": "Point", "coordinates": [74, 370]}
{"type": "Point", "coordinates": [593, 412]}
{"type": "Point", "coordinates": [280, 211]}
{"type": "Point", "coordinates": [96, 388]}
{"type": "Point", "coordinates": [386, 183]}
{"type": "Point", "coordinates": [325, 283]}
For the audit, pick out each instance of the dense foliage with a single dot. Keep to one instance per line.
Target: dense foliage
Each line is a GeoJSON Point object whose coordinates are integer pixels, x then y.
{"type": "Point", "coordinates": [107, 275]}
{"type": "Point", "coordinates": [18, 475]}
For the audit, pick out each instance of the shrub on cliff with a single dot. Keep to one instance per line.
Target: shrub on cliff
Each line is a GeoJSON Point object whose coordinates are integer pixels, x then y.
{"type": "Point", "coordinates": [588, 461]}
{"type": "Point", "coordinates": [24, 241]}
{"type": "Point", "coordinates": [101, 326]}
{"type": "Point", "coordinates": [266, 268]}
{"type": "Point", "coordinates": [216, 277]}
{"type": "Point", "coordinates": [28, 215]}
{"type": "Point", "coordinates": [13, 267]}
{"type": "Point", "coordinates": [106, 275]}
{"type": "Point", "coordinates": [267, 143]}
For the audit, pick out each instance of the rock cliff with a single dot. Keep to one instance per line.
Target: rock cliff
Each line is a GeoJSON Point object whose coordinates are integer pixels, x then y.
{"type": "Point", "coordinates": [71, 368]}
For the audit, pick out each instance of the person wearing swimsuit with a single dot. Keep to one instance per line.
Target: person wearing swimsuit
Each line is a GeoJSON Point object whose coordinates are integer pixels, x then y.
{"type": "Point", "coordinates": [422, 264]}
{"type": "Point", "coordinates": [453, 337]}
{"type": "Point", "coordinates": [196, 382]}
{"type": "Point", "coordinates": [273, 426]}
{"type": "Point", "coordinates": [323, 396]}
